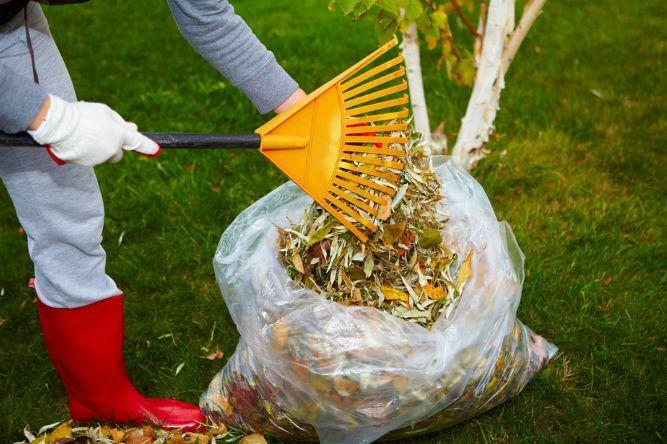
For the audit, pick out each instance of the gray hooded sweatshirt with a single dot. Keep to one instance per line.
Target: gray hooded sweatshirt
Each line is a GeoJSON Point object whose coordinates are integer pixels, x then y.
{"type": "Point", "coordinates": [213, 29]}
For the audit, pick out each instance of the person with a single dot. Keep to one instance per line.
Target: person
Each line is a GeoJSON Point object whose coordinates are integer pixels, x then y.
{"type": "Point", "coordinates": [58, 202]}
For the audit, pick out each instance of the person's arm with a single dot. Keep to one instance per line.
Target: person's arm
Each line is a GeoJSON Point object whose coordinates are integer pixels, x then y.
{"type": "Point", "coordinates": [82, 133]}
{"type": "Point", "coordinates": [20, 101]}
{"type": "Point", "coordinates": [225, 40]}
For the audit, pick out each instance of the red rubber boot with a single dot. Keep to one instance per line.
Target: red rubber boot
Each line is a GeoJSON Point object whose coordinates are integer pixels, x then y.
{"type": "Point", "coordinates": [86, 347]}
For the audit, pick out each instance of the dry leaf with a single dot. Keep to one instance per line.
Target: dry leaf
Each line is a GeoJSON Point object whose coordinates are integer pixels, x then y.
{"type": "Point", "coordinates": [406, 240]}
{"type": "Point", "coordinates": [254, 438]}
{"type": "Point", "coordinates": [179, 368]}
{"type": "Point", "coordinates": [345, 270]}
{"type": "Point", "coordinates": [114, 434]}
{"type": "Point", "coordinates": [148, 431]}
{"type": "Point", "coordinates": [393, 232]}
{"type": "Point", "coordinates": [219, 429]}
{"type": "Point", "coordinates": [434, 293]}
{"type": "Point", "coordinates": [464, 272]}
{"type": "Point", "coordinates": [392, 294]}
{"type": "Point", "coordinates": [217, 354]}
{"type": "Point", "coordinates": [136, 437]}
{"type": "Point", "coordinates": [280, 333]}
{"type": "Point", "coordinates": [223, 404]}
{"type": "Point", "coordinates": [322, 232]}
{"type": "Point", "coordinates": [384, 211]}
{"type": "Point", "coordinates": [430, 238]}
{"type": "Point", "coordinates": [64, 430]}
{"type": "Point", "coordinates": [298, 263]}
{"type": "Point", "coordinates": [197, 438]}
{"type": "Point", "coordinates": [320, 249]}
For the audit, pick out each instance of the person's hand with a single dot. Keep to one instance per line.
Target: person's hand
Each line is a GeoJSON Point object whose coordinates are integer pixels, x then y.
{"type": "Point", "coordinates": [87, 133]}
{"type": "Point", "coordinates": [291, 100]}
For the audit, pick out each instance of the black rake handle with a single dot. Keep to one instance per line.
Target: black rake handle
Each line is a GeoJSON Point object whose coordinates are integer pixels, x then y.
{"type": "Point", "coordinates": [165, 140]}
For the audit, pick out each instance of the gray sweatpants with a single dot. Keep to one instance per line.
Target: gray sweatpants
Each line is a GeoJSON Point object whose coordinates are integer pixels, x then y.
{"type": "Point", "coordinates": [59, 207]}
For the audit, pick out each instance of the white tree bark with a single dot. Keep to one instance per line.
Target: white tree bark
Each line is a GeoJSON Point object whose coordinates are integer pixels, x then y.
{"type": "Point", "coordinates": [477, 123]}
{"type": "Point", "coordinates": [498, 51]}
{"type": "Point", "coordinates": [530, 13]}
{"type": "Point", "coordinates": [416, 85]}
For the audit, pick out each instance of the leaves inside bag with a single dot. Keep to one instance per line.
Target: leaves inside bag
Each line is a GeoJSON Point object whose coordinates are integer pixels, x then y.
{"type": "Point", "coordinates": [404, 268]}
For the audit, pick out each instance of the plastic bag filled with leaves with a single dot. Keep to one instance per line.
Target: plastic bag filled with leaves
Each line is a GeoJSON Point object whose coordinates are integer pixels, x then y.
{"type": "Point", "coordinates": [416, 330]}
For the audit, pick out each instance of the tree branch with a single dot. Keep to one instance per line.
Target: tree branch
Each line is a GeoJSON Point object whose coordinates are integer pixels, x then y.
{"type": "Point", "coordinates": [530, 13]}
{"type": "Point", "coordinates": [465, 20]}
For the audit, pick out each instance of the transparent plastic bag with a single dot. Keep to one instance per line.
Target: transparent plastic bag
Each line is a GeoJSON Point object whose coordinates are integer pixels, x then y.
{"type": "Point", "coordinates": [308, 368]}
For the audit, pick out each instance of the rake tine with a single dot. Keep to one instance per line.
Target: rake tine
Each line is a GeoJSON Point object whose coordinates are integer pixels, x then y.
{"type": "Point", "coordinates": [373, 150]}
{"type": "Point", "coordinates": [370, 73]}
{"type": "Point", "coordinates": [356, 190]}
{"type": "Point", "coordinates": [369, 183]}
{"type": "Point", "coordinates": [375, 128]}
{"type": "Point", "coordinates": [389, 177]}
{"type": "Point", "coordinates": [372, 84]}
{"type": "Point", "coordinates": [377, 94]}
{"type": "Point", "coordinates": [342, 219]}
{"type": "Point", "coordinates": [377, 117]}
{"type": "Point", "coordinates": [350, 212]}
{"type": "Point", "coordinates": [339, 192]}
{"type": "Point", "coordinates": [372, 160]}
{"type": "Point", "coordinates": [375, 139]}
{"type": "Point", "coordinates": [377, 106]}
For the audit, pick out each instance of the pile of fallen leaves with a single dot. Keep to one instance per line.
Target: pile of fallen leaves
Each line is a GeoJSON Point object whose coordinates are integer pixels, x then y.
{"type": "Point", "coordinates": [404, 268]}
{"type": "Point", "coordinates": [65, 433]}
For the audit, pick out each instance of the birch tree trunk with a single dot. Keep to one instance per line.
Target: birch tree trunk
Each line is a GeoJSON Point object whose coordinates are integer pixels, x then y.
{"type": "Point", "coordinates": [416, 85]}
{"type": "Point", "coordinates": [498, 51]}
{"type": "Point", "coordinates": [477, 123]}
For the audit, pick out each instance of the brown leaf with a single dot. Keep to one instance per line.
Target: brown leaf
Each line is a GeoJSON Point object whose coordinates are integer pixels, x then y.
{"type": "Point", "coordinates": [254, 438]}
{"type": "Point", "coordinates": [197, 438]}
{"type": "Point", "coordinates": [320, 248]}
{"type": "Point", "coordinates": [176, 439]}
{"type": "Point", "coordinates": [384, 211]}
{"type": "Point", "coordinates": [2, 321]}
{"type": "Point", "coordinates": [114, 434]}
{"type": "Point", "coordinates": [435, 293]}
{"type": "Point", "coordinates": [148, 431]}
{"type": "Point", "coordinates": [356, 274]}
{"type": "Point", "coordinates": [64, 430]}
{"type": "Point", "coordinates": [298, 263]}
{"type": "Point", "coordinates": [280, 333]}
{"type": "Point", "coordinates": [430, 238]}
{"type": "Point", "coordinates": [135, 436]}
{"type": "Point", "coordinates": [406, 239]}
{"type": "Point", "coordinates": [606, 281]}
{"type": "Point", "coordinates": [222, 402]}
{"type": "Point", "coordinates": [464, 272]}
{"type": "Point", "coordinates": [219, 429]}
{"type": "Point", "coordinates": [392, 294]}
{"type": "Point", "coordinates": [217, 354]}
{"type": "Point", "coordinates": [393, 232]}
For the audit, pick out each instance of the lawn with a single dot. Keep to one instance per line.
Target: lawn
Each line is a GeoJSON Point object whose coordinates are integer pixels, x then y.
{"type": "Point", "coordinates": [577, 168]}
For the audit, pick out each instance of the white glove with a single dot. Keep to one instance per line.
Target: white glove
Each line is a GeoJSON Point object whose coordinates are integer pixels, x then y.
{"type": "Point", "coordinates": [89, 133]}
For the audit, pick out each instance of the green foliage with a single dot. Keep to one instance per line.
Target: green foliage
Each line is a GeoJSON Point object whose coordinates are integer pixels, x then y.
{"type": "Point", "coordinates": [434, 21]}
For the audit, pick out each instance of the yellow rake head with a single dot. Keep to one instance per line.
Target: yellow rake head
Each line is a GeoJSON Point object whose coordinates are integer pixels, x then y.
{"type": "Point", "coordinates": [337, 144]}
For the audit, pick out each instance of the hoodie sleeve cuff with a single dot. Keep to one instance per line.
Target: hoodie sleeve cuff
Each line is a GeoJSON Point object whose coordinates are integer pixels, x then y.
{"type": "Point", "coordinates": [269, 86]}
{"type": "Point", "coordinates": [20, 101]}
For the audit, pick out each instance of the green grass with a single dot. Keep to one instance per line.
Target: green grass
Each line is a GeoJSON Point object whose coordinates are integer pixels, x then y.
{"type": "Point", "coordinates": [582, 184]}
